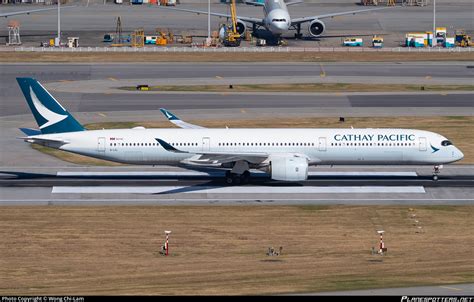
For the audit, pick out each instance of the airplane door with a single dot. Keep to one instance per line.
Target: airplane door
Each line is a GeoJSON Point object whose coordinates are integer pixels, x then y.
{"type": "Point", "coordinates": [422, 143]}
{"type": "Point", "coordinates": [322, 144]}
{"type": "Point", "coordinates": [206, 144]}
{"type": "Point", "coordinates": [101, 144]}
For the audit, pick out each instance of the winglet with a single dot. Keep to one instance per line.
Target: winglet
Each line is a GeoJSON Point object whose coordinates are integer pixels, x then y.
{"type": "Point", "coordinates": [177, 121]}
{"type": "Point", "coordinates": [170, 116]}
{"type": "Point", "coordinates": [168, 147]}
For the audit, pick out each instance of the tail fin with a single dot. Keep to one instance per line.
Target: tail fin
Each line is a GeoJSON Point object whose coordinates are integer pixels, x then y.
{"type": "Point", "coordinates": [49, 114]}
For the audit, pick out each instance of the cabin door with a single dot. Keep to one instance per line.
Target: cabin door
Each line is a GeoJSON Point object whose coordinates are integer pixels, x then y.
{"type": "Point", "coordinates": [322, 144]}
{"type": "Point", "coordinates": [101, 144]}
{"type": "Point", "coordinates": [206, 144]}
{"type": "Point", "coordinates": [422, 143]}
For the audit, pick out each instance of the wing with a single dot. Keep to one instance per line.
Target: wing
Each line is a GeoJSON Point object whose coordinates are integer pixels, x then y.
{"type": "Point", "coordinates": [177, 121]}
{"type": "Point", "coordinates": [30, 11]}
{"type": "Point", "coordinates": [254, 3]}
{"type": "Point", "coordinates": [246, 19]}
{"type": "Point", "coordinates": [293, 2]}
{"type": "Point", "coordinates": [208, 157]}
{"type": "Point", "coordinates": [308, 19]}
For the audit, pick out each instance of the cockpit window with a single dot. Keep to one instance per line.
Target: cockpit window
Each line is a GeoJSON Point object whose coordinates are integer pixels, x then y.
{"type": "Point", "coordinates": [279, 20]}
{"type": "Point", "coordinates": [446, 143]}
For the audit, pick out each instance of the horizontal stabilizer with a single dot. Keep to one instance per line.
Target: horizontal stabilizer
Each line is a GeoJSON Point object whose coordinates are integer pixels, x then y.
{"type": "Point", "coordinates": [42, 141]}
{"type": "Point", "coordinates": [30, 131]}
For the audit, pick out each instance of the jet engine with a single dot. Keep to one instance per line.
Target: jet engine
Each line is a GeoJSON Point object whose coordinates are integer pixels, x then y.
{"type": "Point", "coordinates": [241, 27]}
{"type": "Point", "coordinates": [288, 168]}
{"type": "Point", "coordinates": [316, 28]}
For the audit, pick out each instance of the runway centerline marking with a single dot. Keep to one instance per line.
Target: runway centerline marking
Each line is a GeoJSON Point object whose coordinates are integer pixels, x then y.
{"type": "Point", "coordinates": [234, 190]}
{"type": "Point", "coordinates": [217, 173]}
{"type": "Point", "coordinates": [453, 288]}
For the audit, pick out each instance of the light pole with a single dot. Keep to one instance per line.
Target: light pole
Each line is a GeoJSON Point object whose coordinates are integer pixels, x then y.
{"type": "Point", "coordinates": [59, 23]}
{"type": "Point", "coordinates": [434, 40]}
{"type": "Point", "coordinates": [209, 19]}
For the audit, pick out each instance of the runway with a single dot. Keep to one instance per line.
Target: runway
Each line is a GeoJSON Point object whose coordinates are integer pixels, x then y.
{"type": "Point", "coordinates": [203, 188]}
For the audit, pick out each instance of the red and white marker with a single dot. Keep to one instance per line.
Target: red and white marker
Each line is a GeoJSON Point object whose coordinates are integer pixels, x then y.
{"type": "Point", "coordinates": [382, 245]}
{"type": "Point", "coordinates": [167, 233]}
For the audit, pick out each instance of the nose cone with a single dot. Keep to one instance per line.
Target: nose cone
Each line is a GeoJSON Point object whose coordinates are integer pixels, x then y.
{"type": "Point", "coordinates": [278, 27]}
{"type": "Point", "coordinates": [458, 154]}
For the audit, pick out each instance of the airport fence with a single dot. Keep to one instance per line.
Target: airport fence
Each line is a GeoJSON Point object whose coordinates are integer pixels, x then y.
{"type": "Point", "coordinates": [235, 49]}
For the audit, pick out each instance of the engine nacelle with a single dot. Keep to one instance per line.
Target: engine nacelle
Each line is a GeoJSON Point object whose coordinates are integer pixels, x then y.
{"type": "Point", "coordinates": [241, 27]}
{"type": "Point", "coordinates": [289, 168]}
{"type": "Point", "coordinates": [316, 28]}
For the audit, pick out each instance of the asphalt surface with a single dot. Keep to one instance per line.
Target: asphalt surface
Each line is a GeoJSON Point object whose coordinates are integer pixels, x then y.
{"type": "Point", "coordinates": [84, 101]}
{"type": "Point", "coordinates": [22, 179]}
{"type": "Point", "coordinates": [91, 23]}
{"type": "Point", "coordinates": [353, 185]}
{"type": "Point", "coordinates": [426, 291]}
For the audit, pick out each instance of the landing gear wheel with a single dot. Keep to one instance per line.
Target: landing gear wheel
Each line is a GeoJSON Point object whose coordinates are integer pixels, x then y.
{"type": "Point", "coordinates": [436, 171]}
{"type": "Point", "coordinates": [237, 179]}
{"type": "Point", "coordinates": [245, 177]}
{"type": "Point", "coordinates": [229, 179]}
{"type": "Point", "coordinates": [298, 36]}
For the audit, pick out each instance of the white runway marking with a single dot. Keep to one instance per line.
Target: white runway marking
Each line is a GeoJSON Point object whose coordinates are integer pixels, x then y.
{"type": "Point", "coordinates": [254, 173]}
{"type": "Point", "coordinates": [236, 190]}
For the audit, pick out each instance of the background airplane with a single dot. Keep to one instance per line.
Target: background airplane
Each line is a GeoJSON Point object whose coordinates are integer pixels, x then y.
{"type": "Point", "coordinates": [277, 19]}
{"type": "Point", "coordinates": [285, 154]}
{"type": "Point", "coordinates": [27, 12]}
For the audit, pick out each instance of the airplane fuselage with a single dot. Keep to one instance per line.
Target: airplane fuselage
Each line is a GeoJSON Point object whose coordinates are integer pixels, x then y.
{"type": "Point", "coordinates": [276, 16]}
{"type": "Point", "coordinates": [319, 146]}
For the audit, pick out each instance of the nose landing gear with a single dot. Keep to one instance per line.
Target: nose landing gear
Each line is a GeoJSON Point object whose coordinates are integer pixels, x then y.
{"type": "Point", "coordinates": [436, 171]}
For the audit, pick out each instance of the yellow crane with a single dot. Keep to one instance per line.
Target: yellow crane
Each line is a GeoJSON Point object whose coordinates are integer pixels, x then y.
{"type": "Point", "coordinates": [231, 37]}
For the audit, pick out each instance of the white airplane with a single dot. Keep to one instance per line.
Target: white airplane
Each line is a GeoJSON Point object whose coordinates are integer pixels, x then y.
{"type": "Point", "coordinates": [285, 154]}
{"type": "Point", "coordinates": [277, 19]}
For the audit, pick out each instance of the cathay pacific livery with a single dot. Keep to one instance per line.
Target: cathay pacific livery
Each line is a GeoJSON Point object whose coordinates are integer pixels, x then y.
{"type": "Point", "coordinates": [285, 154]}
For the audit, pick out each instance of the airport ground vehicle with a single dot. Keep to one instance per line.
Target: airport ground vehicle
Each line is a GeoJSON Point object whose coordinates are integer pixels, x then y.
{"type": "Point", "coordinates": [353, 42]}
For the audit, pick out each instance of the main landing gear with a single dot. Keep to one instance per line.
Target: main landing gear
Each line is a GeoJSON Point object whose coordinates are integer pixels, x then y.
{"type": "Point", "coordinates": [298, 34]}
{"type": "Point", "coordinates": [236, 179]}
{"type": "Point", "coordinates": [436, 171]}
{"type": "Point", "coordinates": [239, 173]}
